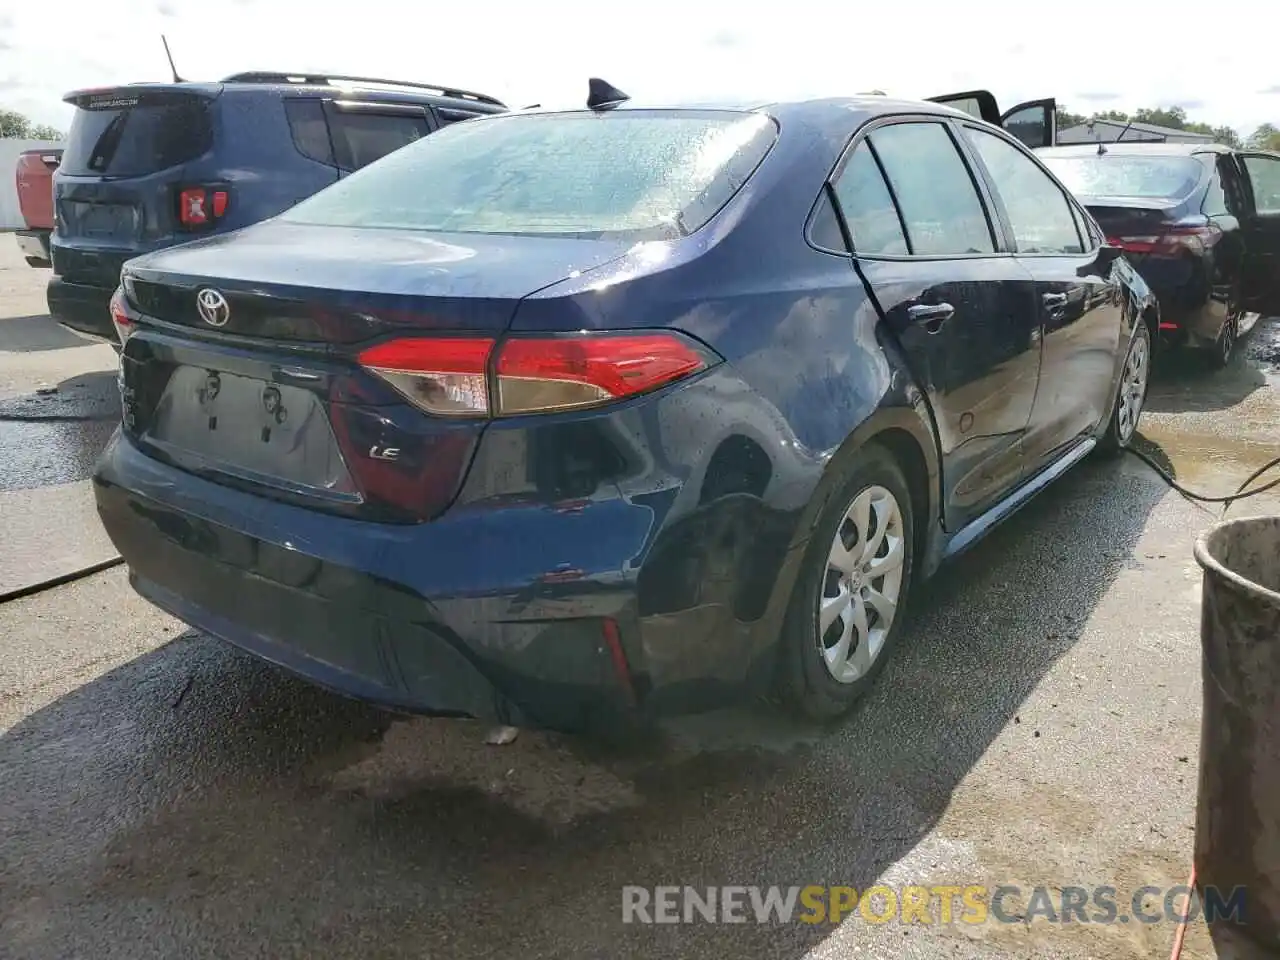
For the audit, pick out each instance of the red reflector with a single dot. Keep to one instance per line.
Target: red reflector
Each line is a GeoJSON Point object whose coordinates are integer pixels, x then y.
{"type": "Point", "coordinates": [219, 202]}
{"type": "Point", "coordinates": [564, 372]}
{"type": "Point", "coordinates": [1166, 325]}
{"type": "Point", "coordinates": [191, 207]}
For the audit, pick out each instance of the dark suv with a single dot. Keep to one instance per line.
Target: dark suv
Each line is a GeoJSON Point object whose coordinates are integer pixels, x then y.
{"type": "Point", "coordinates": [151, 165]}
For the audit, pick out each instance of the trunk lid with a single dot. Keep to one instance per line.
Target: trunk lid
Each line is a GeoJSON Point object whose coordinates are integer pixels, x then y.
{"type": "Point", "coordinates": [34, 178]}
{"type": "Point", "coordinates": [115, 193]}
{"type": "Point", "coordinates": [271, 397]}
{"type": "Point", "coordinates": [337, 286]}
{"type": "Point", "coordinates": [1119, 216]}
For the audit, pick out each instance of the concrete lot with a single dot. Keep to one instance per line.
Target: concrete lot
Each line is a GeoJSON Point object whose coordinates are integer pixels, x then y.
{"type": "Point", "coordinates": [164, 796]}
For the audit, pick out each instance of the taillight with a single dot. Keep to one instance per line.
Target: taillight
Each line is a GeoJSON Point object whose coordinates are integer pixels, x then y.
{"type": "Point", "coordinates": [451, 377]}
{"type": "Point", "coordinates": [202, 206]}
{"type": "Point", "coordinates": [445, 376]}
{"type": "Point", "coordinates": [1170, 241]}
{"type": "Point", "coordinates": [120, 316]}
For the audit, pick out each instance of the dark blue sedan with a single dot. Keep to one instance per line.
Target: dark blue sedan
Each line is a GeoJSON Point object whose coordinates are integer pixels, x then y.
{"type": "Point", "coordinates": [575, 418]}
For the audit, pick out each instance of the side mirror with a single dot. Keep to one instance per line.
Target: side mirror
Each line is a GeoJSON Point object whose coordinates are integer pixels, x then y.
{"type": "Point", "coordinates": [1107, 255]}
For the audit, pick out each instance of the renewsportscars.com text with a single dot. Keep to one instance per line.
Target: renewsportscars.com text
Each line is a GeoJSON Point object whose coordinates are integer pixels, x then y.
{"type": "Point", "coordinates": [973, 904]}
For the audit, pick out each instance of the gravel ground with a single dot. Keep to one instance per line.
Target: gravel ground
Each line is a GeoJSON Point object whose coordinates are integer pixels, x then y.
{"type": "Point", "coordinates": [165, 796]}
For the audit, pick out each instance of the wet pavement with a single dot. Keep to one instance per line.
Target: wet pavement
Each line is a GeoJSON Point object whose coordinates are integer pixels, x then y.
{"type": "Point", "coordinates": [162, 795]}
{"type": "Point", "coordinates": [58, 407]}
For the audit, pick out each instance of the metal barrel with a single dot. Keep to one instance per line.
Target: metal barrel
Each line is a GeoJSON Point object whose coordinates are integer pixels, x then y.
{"type": "Point", "coordinates": [1237, 852]}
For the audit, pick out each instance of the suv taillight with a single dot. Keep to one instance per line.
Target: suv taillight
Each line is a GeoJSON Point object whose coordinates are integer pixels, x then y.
{"type": "Point", "coordinates": [474, 378]}
{"type": "Point", "coordinates": [202, 206]}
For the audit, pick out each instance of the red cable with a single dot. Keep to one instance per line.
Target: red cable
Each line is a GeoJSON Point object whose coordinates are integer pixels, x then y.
{"type": "Point", "coordinates": [1182, 923]}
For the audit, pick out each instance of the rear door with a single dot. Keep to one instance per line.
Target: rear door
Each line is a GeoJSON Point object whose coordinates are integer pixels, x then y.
{"type": "Point", "coordinates": [1034, 122]}
{"type": "Point", "coordinates": [1261, 279]}
{"type": "Point", "coordinates": [365, 131]}
{"type": "Point", "coordinates": [1079, 303]}
{"type": "Point", "coordinates": [963, 311]}
{"type": "Point", "coordinates": [116, 190]}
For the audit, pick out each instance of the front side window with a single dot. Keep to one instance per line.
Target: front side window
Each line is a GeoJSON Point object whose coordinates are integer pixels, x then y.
{"type": "Point", "coordinates": [936, 195]}
{"type": "Point", "coordinates": [1264, 174]}
{"type": "Point", "coordinates": [1038, 210]}
{"type": "Point", "coordinates": [627, 174]}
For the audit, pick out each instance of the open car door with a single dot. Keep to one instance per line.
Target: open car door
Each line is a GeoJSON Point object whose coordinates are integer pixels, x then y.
{"type": "Point", "coordinates": [1034, 122]}
{"type": "Point", "coordinates": [1260, 280]}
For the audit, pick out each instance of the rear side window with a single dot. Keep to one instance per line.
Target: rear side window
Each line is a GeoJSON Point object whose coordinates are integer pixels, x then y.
{"type": "Point", "coordinates": [1038, 210]}
{"type": "Point", "coordinates": [936, 195]}
{"type": "Point", "coordinates": [309, 129]}
{"type": "Point", "coordinates": [630, 174]}
{"type": "Point", "coordinates": [1215, 197]}
{"type": "Point", "coordinates": [1113, 175]}
{"type": "Point", "coordinates": [136, 136]}
{"type": "Point", "coordinates": [868, 206]}
{"type": "Point", "coordinates": [361, 137]}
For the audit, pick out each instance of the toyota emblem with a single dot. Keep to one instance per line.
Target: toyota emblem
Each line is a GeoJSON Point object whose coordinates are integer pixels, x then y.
{"type": "Point", "coordinates": [213, 307]}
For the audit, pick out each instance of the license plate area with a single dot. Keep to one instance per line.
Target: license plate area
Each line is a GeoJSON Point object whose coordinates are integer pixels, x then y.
{"type": "Point", "coordinates": [117, 221]}
{"type": "Point", "coordinates": [257, 430]}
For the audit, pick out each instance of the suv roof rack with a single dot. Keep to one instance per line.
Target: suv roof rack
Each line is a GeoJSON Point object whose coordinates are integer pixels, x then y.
{"type": "Point", "coordinates": [326, 79]}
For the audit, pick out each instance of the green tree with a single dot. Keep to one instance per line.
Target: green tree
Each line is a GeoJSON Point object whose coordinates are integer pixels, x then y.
{"type": "Point", "coordinates": [1266, 137]}
{"type": "Point", "coordinates": [1226, 136]}
{"type": "Point", "coordinates": [1174, 117]}
{"type": "Point", "coordinates": [16, 126]}
{"type": "Point", "coordinates": [1068, 119]}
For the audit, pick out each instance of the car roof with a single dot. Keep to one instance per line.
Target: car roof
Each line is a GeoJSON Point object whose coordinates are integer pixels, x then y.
{"type": "Point", "coordinates": [282, 84]}
{"type": "Point", "coordinates": [384, 94]}
{"type": "Point", "coordinates": [828, 112]}
{"type": "Point", "coordinates": [1126, 149]}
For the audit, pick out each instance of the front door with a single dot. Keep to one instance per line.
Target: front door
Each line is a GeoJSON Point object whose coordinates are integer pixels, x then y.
{"type": "Point", "coordinates": [1079, 303]}
{"type": "Point", "coordinates": [1260, 287]}
{"type": "Point", "coordinates": [963, 314]}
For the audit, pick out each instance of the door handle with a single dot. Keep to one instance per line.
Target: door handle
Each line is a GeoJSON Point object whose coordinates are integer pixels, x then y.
{"type": "Point", "coordinates": [932, 315]}
{"type": "Point", "coordinates": [1054, 300]}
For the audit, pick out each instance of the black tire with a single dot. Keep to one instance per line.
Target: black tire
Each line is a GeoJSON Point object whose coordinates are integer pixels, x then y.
{"type": "Point", "coordinates": [1219, 355]}
{"type": "Point", "coordinates": [806, 686]}
{"type": "Point", "coordinates": [1116, 439]}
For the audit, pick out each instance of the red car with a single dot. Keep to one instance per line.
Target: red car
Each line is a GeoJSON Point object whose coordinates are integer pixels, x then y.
{"type": "Point", "coordinates": [34, 174]}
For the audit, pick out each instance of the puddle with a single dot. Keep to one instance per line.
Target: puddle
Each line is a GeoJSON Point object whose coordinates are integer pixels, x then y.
{"type": "Point", "coordinates": [44, 454]}
{"type": "Point", "coordinates": [1262, 348]}
{"type": "Point", "coordinates": [54, 435]}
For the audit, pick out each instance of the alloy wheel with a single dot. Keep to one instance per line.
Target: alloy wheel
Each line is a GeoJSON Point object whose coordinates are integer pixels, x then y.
{"type": "Point", "coordinates": [1227, 340]}
{"type": "Point", "coordinates": [863, 583]}
{"type": "Point", "coordinates": [1133, 389]}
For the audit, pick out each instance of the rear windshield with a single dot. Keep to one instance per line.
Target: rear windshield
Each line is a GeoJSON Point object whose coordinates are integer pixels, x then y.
{"type": "Point", "coordinates": [137, 137]}
{"type": "Point", "coordinates": [1108, 175]}
{"type": "Point", "coordinates": [629, 174]}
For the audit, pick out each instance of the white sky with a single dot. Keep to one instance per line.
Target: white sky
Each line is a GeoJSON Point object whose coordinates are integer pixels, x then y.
{"type": "Point", "coordinates": [1096, 55]}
